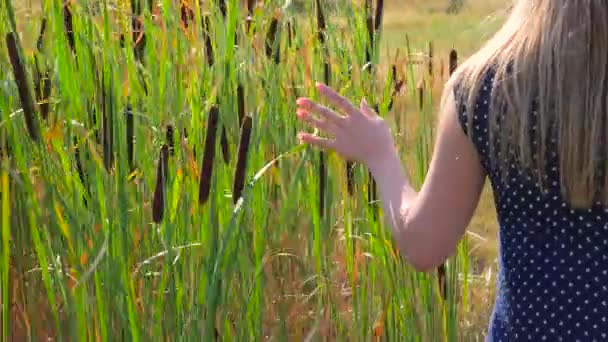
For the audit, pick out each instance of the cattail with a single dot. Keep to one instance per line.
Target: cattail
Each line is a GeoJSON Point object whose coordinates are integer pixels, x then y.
{"type": "Point", "coordinates": [379, 15]}
{"type": "Point", "coordinates": [431, 56]}
{"type": "Point", "coordinates": [453, 61]}
{"type": "Point", "coordinates": [271, 38]}
{"type": "Point", "coordinates": [158, 204]}
{"type": "Point", "coordinates": [222, 6]}
{"type": "Point", "coordinates": [187, 14]}
{"type": "Point", "coordinates": [209, 155]}
{"type": "Point", "coordinates": [130, 136]}
{"type": "Point", "coordinates": [421, 96]}
{"type": "Point", "coordinates": [322, 26]}
{"type": "Point", "coordinates": [107, 131]}
{"type": "Point", "coordinates": [25, 95]}
{"type": "Point", "coordinates": [241, 163]}
{"type": "Point", "coordinates": [169, 136]}
{"type": "Point", "coordinates": [350, 182]}
{"type": "Point", "coordinates": [208, 41]}
{"type": "Point", "coordinates": [441, 270]}
{"type": "Point", "coordinates": [81, 173]}
{"type": "Point", "coordinates": [372, 192]}
{"type": "Point", "coordinates": [225, 145]}
{"type": "Point", "coordinates": [41, 34]}
{"type": "Point", "coordinates": [79, 167]}
{"type": "Point", "coordinates": [290, 33]}
{"type": "Point", "coordinates": [370, 31]}
{"type": "Point", "coordinates": [67, 23]}
{"type": "Point", "coordinates": [250, 6]}
{"type": "Point", "coordinates": [42, 84]}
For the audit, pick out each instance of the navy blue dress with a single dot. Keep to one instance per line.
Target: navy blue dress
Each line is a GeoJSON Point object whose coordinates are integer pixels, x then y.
{"type": "Point", "coordinates": [553, 262]}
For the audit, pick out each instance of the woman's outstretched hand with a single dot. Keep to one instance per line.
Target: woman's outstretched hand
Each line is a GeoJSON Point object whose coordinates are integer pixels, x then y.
{"type": "Point", "coordinates": [356, 134]}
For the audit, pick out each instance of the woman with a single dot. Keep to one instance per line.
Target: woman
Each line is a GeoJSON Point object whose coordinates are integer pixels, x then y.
{"type": "Point", "coordinates": [529, 111]}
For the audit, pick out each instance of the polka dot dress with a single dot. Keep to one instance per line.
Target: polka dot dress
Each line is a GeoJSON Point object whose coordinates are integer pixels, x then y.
{"type": "Point", "coordinates": [553, 276]}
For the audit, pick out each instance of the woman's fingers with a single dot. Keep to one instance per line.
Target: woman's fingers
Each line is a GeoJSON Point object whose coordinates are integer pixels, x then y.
{"type": "Point", "coordinates": [365, 109]}
{"type": "Point", "coordinates": [338, 100]}
{"type": "Point", "coordinates": [316, 108]}
{"type": "Point", "coordinates": [311, 139]}
{"type": "Point", "coordinates": [323, 125]}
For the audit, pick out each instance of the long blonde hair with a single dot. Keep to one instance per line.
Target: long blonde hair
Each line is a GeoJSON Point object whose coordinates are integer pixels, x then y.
{"type": "Point", "coordinates": [550, 58]}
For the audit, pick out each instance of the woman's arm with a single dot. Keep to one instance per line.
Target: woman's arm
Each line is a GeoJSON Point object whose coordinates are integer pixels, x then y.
{"type": "Point", "coordinates": [426, 225]}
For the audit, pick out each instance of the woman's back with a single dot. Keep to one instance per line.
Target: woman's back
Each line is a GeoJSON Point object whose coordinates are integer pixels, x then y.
{"type": "Point", "coordinates": [553, 280]}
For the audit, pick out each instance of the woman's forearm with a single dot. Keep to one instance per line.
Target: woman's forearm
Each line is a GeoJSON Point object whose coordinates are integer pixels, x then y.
{"type": "Point", "coordinates": [396, 195]}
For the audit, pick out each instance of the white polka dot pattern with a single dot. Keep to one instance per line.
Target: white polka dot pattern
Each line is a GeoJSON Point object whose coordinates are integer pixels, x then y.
{"type": "Point", "coordinates": [553, 277]}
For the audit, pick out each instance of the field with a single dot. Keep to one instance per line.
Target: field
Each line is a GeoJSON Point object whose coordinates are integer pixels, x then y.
{"type": "Point", "coordinates": [152, 187]}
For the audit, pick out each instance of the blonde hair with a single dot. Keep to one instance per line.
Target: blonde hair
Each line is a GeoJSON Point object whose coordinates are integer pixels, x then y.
{"type": "Point", "coordinates": [550, 58]}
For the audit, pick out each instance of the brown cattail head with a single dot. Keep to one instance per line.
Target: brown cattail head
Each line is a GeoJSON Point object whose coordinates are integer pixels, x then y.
{"type": "Point", "coordinates": [370, 30]}
{"type": "Point", "coordinates": [187, 13]}
{"type": "Point", "coordinates": [421, 96]}
{"type": "Point", "coordinates": [222, 6]}
{"type": "Point", "coordinates": [290, 33]}
{"type": "Point", "coordinates": [158, 204]}
{"type": "Point", "coordinates": [130, 136]}
{"type": "Point", "coordinates": [250, 6]}
{"type": "Point", "coordinates": [107, 128]}
{"type": "Point", "coordinates": [431, 57]}
{"type": "Point", "coordinates": [208, 156]}
{"type": "Point", "coordinates": [350, 182]}
{"type": "Point", "coordinates": [241, 164]}
{"type": "Point", "coordinates": [25, 95]}
{"type": "Point", "coordinates": [453, 61]}
{"type": "Point", "coordinates": [321, 25]}
{"type": "Point", "coordinates": [41, 34]}
{"type": "Point", "coordinates": [225, 145]}
{"type": "Point", "coordinates": [169, 136]}
{"type": "Point", "coordinates": [67, 23]}
{"type": "Point", "coordinates": [271, 39]}
{"type": "Point", "coordinates": [208, 41]}
{"type": "Point", "coordinates": [379, 15]}
{"type": "Point", "coordinates": [80, 170]}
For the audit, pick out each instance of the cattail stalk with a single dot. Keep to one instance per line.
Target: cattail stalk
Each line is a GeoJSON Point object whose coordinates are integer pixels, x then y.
{"type": "Point", "coordinates": [158, 204]}
{"type": "Point", "coordinates": [68, 25]}
{"type": "Point", "coordinates": [322, 27]}
{"type": "Point", "coordinates": [271, 39]}
{"type": "Point", "coordinates": [241, 164]}
{"type": "Point", "coordinates": [25, 95]}
{"type": "Point", "coordinates": [42, 83]}
{"type": "Point", "coordinates": [225, 145]}
{"type": "Point", "coordinates": [130, 137]}
{"type": "Point", "coordinates": [441, 270]}
{"type": "Point", "coordinates": [107, 131]}
{"type": "Point", "coordinates": [223, 8]}
{"type": "Point", "coordinates": [431, 59]}
{"type": "Point", "coordinates": [379, 15]}
{"type": "Point", "coordinates": [208, 156]}
{"type": "Point", "coordinates": [208, 41]}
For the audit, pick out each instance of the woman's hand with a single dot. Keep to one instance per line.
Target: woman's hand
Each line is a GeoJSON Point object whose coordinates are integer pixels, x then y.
{"type": "Point", "coordinates": [357, 134]}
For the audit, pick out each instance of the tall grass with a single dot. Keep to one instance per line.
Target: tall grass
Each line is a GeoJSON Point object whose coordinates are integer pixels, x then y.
{"type": "Point", "coordinates": [140, 234]}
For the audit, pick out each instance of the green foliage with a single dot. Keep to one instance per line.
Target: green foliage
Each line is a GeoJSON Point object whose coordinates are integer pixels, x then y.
{"type": "Point", "coordinates": [79, 237]}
